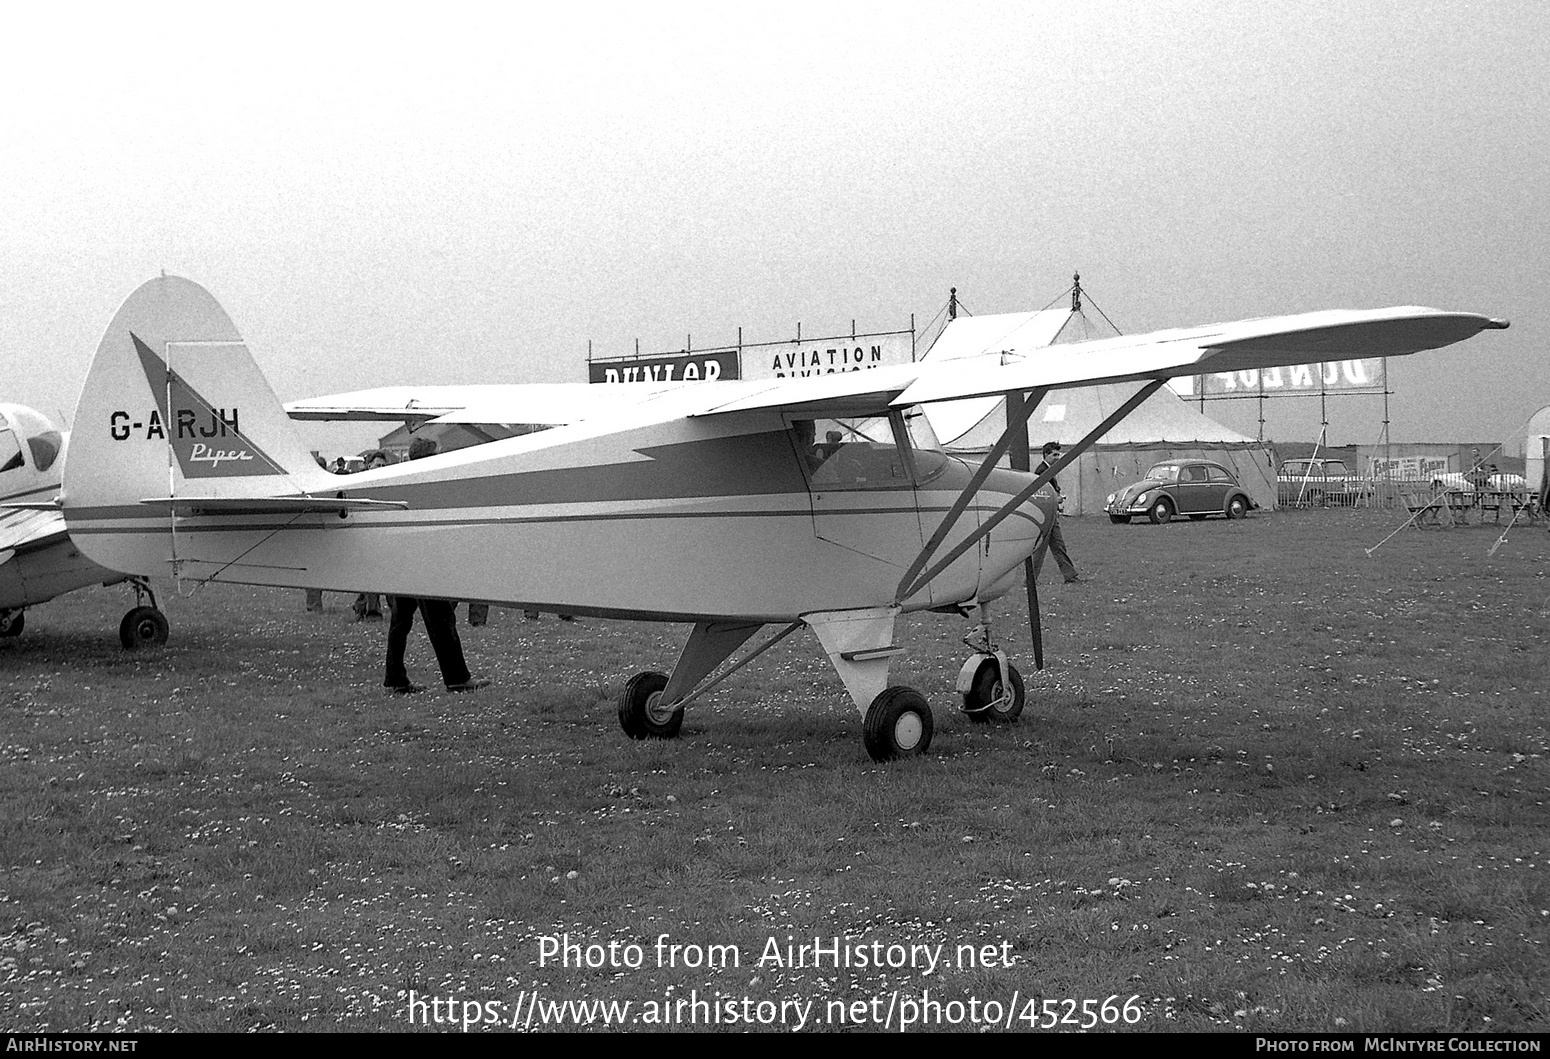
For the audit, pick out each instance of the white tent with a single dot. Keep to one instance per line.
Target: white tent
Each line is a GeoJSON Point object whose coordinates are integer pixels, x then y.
{"type": "Point", "coordinates": [1536, 449]}
{"type": "Point", "coordinates": [1163, 427]}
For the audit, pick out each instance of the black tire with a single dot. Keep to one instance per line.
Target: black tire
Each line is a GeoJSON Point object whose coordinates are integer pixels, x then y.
{"type": "Point", "coordinates": [980, 702]}
{"type": "Point", "coordinates": [143, 627]}
{"type": "Point", "coordinates": [897, 724]}
{"type": "Point", "coordinates": [641, 713]}
{"type": "Point", "coordinates": [1161, 511]}
{"type": "Point", "coordinates": [1238, 507]}
{"type": "Point", "coordinates": [12, 622]}
{"type": "Point", "coordinates": [1120, 520]}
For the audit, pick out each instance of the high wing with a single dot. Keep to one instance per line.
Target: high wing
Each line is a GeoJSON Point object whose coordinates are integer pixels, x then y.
{"type": "Point", "coordinates": [1160, 355]}
{"type": "Point", "coordinates": [1015, 362]}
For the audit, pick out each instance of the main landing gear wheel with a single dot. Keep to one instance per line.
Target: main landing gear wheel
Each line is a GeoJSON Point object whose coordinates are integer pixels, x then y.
{"type": "Point", "coordinates": [1161, 511]}
{"type": "Point", "coordinates": [143, 627]}
{"type": "Point", "coordinates": [988, 699]}
{"type": "Point", "coordinates": [897, 724]}
{"type": "Point", "coordinates": [12, 622]}
{"type": "Point", "coordinates": [642, 713]}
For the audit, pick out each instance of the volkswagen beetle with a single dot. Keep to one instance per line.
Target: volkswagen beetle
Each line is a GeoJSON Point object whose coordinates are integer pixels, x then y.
{"type": "Point", "coordinates": [1196, 488]}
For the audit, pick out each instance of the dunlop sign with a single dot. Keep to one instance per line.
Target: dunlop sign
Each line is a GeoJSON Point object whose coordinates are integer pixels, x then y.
{"type": "Point", "coordinates": [1344, 375]}
{"type": "Point", "coordinates": [706, 366]}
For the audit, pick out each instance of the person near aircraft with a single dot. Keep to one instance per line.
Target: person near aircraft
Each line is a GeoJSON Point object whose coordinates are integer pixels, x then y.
{"type": "Point", "coordinates": [440, 628]}
{"type": "Point", "coordinates": [1054, 543]}
{"type": "Point", "coordinates": [368, 605]}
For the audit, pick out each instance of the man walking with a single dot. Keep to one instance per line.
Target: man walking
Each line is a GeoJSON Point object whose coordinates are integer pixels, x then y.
{"type": "Point", "coordinates": [1054, 542]}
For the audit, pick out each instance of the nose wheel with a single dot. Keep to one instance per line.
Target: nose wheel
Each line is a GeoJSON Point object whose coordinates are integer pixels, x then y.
{"type": "Point", "coordinates": [991, 689]}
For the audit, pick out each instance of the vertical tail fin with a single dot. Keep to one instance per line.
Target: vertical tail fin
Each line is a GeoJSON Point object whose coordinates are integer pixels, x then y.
{"type": "Point", "coordinates": [174, 406]}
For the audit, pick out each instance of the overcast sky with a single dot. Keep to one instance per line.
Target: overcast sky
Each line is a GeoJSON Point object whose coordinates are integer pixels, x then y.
{"type": "Point", "coordinates": [450, 193]}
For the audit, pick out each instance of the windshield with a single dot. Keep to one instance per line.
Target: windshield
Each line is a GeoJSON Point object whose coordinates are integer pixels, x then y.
{"type": "Point", "coordinates": [1164, 472]}
{"type": "Point", "coordinates": [927, 449]}
{"type": "Point", "coordinates": [43, 441]}
{"type": "Point", "coordinates": [863, 452]}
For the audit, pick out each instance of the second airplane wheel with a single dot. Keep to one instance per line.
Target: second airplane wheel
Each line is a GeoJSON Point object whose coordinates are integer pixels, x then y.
{"type": "Point", "coordinates": [989, 700]}
{"type": "Point", "coordinates": [143, 627]}
{"type": "Point", "coordinates": [897, 724]}
{"type": "Point", "coordinates": [642, 713]}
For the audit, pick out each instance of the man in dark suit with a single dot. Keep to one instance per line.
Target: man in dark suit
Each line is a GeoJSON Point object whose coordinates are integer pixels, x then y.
{"type": "Point", "coordinates": [1054, 543]}
{"type": "Point", "coordinates": [440, 628]}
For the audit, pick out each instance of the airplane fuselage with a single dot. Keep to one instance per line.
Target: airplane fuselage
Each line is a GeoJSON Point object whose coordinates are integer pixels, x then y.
{"type": "Point", "coordinates": [668, 519]}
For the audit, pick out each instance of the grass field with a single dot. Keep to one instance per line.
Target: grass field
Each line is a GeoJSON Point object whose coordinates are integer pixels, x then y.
{"type": "Point", "coordinates": [1267, 782]}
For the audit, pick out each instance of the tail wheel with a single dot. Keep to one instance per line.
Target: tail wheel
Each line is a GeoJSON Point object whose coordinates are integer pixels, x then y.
{"type": "Point", "coordinates": [897, 724]}
{"type": "Point", "coordinates": [643, 714]}
{"type": "Point", "coordinates": [1237, 507]}
{"type": "Point", "coordinates": [1161, 511]}
{"type": "Point", "coordinates": [12, 622]}
{"type": "Point", "coordinates": [143, 627]}
{"type": "Point", "coordinates": [988, 699]}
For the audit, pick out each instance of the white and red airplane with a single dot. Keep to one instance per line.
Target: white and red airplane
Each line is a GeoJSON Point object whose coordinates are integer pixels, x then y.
{"type": "Point", "coordinates": [38, 561]}
{"type": "Point", "coordinates": [824, 502]}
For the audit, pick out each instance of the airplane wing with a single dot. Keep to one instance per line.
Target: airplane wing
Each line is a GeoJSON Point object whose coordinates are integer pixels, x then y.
{"type": "Point", "coordinates": [1239, 346]}
{"type": "Point", "coordinates": [25, 529]}
{"type": "Point", "coordinates": [1015, 359]}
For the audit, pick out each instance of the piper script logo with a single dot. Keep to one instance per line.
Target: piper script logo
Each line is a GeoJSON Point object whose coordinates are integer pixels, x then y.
{"type": "Point", "coordinates": [208, 441]}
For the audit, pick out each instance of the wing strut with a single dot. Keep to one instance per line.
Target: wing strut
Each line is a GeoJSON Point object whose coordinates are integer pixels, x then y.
{"type": "Point", "coordinates": [1038, 483]}
{"type": "Point", "coordinates": [1016, 424]}
{"type": "Point", "coordinates": [1020, 459]}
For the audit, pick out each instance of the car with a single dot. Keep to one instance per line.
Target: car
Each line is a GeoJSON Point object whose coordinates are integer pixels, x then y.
{"type": "Point", "coordinates": [1491, 482]}
{"type": "Point", "coordinates": [1314, 482]}
{"type": "Point", "coordinates": [1196, 488]}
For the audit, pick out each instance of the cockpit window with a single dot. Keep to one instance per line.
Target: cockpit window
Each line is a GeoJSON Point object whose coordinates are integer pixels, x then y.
{"type": "Point", "coordinates": [10, 451]}
{"type": "Point", "coordinates": [924, 445]}
{"type": "Point", "coordinates": [865, 453]}
{"type": "Point", "coordinates": [45, 448]}
{"type": "Point", "coordinates": [42, 440]}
